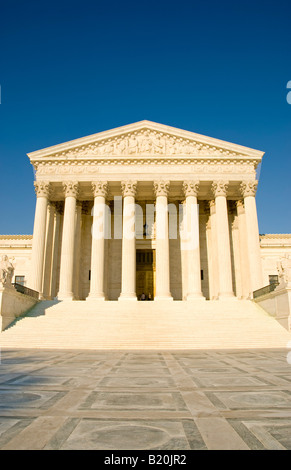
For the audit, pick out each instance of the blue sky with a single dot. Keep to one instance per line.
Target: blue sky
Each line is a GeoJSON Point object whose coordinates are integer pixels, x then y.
{"type": "Point", "coordinates": [73, 68]}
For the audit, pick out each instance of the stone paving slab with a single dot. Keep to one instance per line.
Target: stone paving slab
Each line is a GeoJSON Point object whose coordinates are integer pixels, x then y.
{"type": "Point", "coordinates": [137, 400]}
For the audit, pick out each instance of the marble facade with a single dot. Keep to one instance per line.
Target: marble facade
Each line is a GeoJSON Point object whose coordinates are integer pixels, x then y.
{"type": "Point", "coordinates": [138, 187]}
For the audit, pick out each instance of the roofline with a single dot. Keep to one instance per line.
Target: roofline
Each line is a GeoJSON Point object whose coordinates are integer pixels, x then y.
{"type": "Point", "coordinates": [137, 126]}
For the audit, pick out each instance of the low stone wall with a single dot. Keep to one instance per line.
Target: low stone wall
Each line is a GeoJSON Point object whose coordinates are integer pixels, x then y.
{"type": "Point", "coordinates": [12, 305]}
{"type": "Point", "coordinates": [278, 304]}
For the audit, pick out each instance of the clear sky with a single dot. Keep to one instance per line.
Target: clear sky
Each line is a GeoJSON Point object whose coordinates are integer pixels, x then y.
{"type": "Point", "coordinates": [71, 68]}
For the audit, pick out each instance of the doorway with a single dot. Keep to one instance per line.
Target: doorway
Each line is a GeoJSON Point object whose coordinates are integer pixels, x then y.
{"type": "Point", "coordinates": [145, 273]}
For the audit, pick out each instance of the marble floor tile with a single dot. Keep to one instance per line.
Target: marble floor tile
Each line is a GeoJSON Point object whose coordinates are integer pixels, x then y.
{"type": "Point", "coordinates": [165, 400]}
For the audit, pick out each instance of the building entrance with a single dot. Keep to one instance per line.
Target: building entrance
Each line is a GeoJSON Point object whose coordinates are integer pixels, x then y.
{"type": "Point", "coordinates": [145, 274]}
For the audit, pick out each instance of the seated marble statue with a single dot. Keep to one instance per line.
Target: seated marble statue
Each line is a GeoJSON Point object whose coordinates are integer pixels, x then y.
{"type": "Point", "coordinates": [6, 271]}
{"type": "Point", "coordinates": [284, 269]}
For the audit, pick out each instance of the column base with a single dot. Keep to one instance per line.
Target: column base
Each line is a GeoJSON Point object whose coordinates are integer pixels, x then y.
{"type": "Point", "coordinates": [95, 297]}
{"type": "Point", "coordinates": [127, 297]}
{"type": "Point", "coordinates": [65, 296]}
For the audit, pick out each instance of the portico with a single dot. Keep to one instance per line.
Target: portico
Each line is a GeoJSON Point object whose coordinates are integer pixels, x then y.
{"type": "Point", "coordinates": [187, 199]}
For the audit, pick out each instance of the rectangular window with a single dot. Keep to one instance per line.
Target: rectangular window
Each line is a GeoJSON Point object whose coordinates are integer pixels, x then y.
{"type": "Point", "coordinates": [20, 280]}
{"type": "Point", "coordinates": [201, 274]}
{"type": "Point", "coordinates": [273, 279]}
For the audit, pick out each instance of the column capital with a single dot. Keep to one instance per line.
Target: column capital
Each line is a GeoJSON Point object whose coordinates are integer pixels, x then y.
{"type": "Point", "coordinates": [248, 188]}
{"type": "Point", "coordinates": [99, 188]}
{"type": "Point", "coordinates": [161, 188]}
{"type": "Point", "coordinates": [219, 188]}
{"type": "Point", "coordinates": [71, 188]}
{"type": "Point", "coordinates": [128, 188]}
{"type": "Point", "coordinates": [191, 188]}
{"type": "Point", "coordinates": [42, 188]}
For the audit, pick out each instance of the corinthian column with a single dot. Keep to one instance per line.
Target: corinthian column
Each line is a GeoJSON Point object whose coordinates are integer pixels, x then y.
{"type": "Point", "coordinates": [77, 258]}
{"type": "Point", "coordinates": [223, 242]}
{"type": "Point", "coordinates": [128, 274]}
{"type": "Point", "coordinates": [162, 241]}
{"type": "Point", "coordinates": [248, 190]}
{"type": "Point", "coordinates": [98, 241]}
{"type": "Point", "coordinates": [191, 239]}
{"type": "Point", "coordinates": [68, 242]}
{"type": "Point", "coordinates": [48, 252]}
{"type": "Point", "coordinates": [42, 190]}
{"type": "Point", "coordinates": [243, 250]}
{"type": "Point", "coordinates": [55, 249]}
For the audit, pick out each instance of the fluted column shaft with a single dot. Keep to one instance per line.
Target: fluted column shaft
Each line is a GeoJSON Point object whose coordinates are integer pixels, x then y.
{"type": "Point", "coordinates": [42, 190]}
{"type": "Point", "coordinates": [162, 242]}
{"type": "Point", "coordinates": [68, 243]}
{"type": "Point", "coordinates": [191, 227]}
{"type": "Point", "coordinates": [243, 250]}
{"type": "Point", "coordinates": [213, 265]}
{"type": "Point", "coordinates": [77, 259]}
{"type": "Point", "coordinates": [223, 240]}
{"type": "Point", "coordinates": [48, 252]}
{"type": "Point", "coordinates": [248, 190]}
{"type": "Point", "coordinates": [128, 273]}
{"type": "Point", "coordinates": [98, 241]}
{"type": "Point", "coordinates": [55, 249]}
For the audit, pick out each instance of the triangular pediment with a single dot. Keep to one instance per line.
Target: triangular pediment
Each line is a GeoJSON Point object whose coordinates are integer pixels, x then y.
{"type": "Point", "coordinates": [145, 139]}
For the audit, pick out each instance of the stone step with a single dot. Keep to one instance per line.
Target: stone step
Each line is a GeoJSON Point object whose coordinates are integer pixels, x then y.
{"type": "Point", "coordinates": [145, 325]}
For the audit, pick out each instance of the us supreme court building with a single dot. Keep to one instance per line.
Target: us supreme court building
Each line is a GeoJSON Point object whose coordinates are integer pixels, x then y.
{"type": "Point", "coordinates": [145, 208]}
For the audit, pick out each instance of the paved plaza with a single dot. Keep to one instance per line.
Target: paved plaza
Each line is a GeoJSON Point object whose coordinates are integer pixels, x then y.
{"type": "Point", "coordinates": [140, 400]}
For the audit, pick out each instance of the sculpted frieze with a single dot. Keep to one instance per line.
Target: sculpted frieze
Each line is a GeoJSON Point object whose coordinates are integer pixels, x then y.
{"type": "Point", "coordinates": [145, 142]}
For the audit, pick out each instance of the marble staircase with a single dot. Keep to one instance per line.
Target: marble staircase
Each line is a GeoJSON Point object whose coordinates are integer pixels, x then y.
{"type": "Point", "coordinates": [232, 324]}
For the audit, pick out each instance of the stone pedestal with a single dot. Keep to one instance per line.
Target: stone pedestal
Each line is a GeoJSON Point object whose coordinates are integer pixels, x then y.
{"type": "Point", "coordinates": [12, 305]}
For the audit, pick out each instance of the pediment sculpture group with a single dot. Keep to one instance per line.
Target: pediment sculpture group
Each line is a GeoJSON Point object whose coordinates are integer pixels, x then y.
{"type": "Point", "coordinates": [146, 143]}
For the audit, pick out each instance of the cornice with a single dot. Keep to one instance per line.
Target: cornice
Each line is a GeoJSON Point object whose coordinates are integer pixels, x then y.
{"type": "Point", "coordinates": [271, 236]}
{"type": "Point", "coordinates": [148, 141]}
{"type": "Point", "coordinates": [16, 237]}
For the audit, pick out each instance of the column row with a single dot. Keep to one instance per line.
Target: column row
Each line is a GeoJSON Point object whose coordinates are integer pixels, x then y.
{"type": "Point", "coordinates": [43, 256]}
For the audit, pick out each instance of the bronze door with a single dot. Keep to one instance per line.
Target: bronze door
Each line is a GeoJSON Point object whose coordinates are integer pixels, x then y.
{"type": "Point", "coordinates": [145, 274]}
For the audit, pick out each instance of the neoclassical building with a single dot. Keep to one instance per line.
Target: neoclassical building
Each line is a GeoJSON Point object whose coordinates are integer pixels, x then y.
{"type": "Point", "coordinates": [145, 208]}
